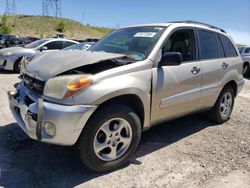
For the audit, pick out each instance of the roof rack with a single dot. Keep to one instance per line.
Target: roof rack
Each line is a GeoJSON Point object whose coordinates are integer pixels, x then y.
{"type": "Point", "coordinates": [200, 23]}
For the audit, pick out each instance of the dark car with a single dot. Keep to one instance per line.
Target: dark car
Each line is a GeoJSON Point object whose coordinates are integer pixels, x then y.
{"type": "Point", "coordinates": [10, 41]}
{"type": "Point", "coordinates": [28, 40]}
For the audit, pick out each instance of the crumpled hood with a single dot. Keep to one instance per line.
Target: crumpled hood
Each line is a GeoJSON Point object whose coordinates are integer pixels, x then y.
{"type": "Point", "coordinates": [16, 50]}
{"type": "Point", "coordinates": [47, 65]}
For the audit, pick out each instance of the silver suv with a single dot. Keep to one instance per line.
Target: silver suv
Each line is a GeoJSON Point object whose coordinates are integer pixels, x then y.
{"type": "Point", "coordinates": [132, 79]}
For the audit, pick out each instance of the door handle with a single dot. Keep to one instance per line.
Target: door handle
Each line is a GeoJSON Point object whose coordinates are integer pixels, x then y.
{"type": "Point", "coordinates": [224, 65]}
{"type": "Point", "coordinates": [195, 70]}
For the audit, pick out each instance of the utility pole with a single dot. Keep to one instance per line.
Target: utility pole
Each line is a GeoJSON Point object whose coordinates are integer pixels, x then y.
{"type": "Point", "coordinates": [83, 16]}
{"type": "Point", "coordinates": [53, 7]}
{"type": "Point", "coordinates": [10, 8]}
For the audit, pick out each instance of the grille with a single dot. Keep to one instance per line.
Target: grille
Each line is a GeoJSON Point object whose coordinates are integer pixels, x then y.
{"type": "Point", "coordinates": [33, 84]}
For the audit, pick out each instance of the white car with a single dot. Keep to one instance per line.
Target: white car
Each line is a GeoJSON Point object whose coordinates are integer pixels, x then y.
{"type": "Point", "coordinates": [81, 46]}
{"type": "Point", "coordinates": [10, 58]}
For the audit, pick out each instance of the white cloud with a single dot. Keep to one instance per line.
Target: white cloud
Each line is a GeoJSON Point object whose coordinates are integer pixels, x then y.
{"type": "Point", "coordinates": [240, 37]}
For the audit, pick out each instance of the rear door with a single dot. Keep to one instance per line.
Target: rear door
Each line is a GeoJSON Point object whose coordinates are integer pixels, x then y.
{"type": "Point", "coordinates": [215, 65]}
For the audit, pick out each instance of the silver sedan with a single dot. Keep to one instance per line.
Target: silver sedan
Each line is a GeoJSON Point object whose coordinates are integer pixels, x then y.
{"type": "Point", "coordinates": [10, 58]}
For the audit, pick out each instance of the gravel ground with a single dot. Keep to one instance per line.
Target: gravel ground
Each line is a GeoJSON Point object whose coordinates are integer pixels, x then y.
{"type": "Point", "coordinates": [189, 152]}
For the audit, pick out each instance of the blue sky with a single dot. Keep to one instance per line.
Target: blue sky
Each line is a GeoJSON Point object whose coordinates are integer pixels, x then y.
{"type": "Point", "coordinates": [232, 15]}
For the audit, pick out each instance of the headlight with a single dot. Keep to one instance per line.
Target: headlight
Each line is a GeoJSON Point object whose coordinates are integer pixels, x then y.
{"type": "Point", "coordinates": [63, 87]}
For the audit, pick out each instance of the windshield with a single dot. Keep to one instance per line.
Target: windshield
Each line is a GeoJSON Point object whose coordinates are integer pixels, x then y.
{"type": "Point", "coordinates": [136, 42]}
{"type": "Point", "coordinates": [81, 46]}
{"type": "Point", "coordinates": [36, 43]}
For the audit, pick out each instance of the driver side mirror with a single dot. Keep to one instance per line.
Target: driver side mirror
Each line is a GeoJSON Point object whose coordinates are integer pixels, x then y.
{"type": "Point", "coordinates": [171, 59]}
{"type": "Point", "coordinates": [43, 48]}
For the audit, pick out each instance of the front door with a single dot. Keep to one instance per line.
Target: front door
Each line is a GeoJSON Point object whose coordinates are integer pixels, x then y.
{"type": "Point", "coordinates": [176, 89]}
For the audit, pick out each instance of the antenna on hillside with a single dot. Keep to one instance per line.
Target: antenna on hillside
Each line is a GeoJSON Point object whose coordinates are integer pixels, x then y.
{"type": "Point", "coordinates": [10, 8]}
{"type": "Point", "coordinates": [53, 7]}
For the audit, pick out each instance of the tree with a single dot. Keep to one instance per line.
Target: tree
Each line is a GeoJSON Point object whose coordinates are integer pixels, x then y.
{"type": "Point", "coordinates": [4, 28]}
{"type": "Point", "coordinates": [60, 27]}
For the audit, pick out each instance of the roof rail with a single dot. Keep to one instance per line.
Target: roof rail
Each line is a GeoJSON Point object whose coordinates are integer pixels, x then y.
{"type": "Point", "coordinates": [200, 23]}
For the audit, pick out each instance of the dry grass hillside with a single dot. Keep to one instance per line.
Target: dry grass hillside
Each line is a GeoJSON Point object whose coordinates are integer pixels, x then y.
{"type": "Point", "coordinates": [44, 26]}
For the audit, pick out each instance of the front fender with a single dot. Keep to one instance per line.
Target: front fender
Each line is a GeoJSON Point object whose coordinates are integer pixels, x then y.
{"type": "Point", "coordinates": [136, 83]}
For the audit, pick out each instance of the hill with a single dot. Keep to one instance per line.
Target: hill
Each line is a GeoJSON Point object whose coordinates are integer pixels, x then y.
{"type": "Point", "coordinates": [44, 26]}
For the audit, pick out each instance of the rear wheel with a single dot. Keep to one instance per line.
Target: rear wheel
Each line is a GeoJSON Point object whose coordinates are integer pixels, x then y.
{"type": "Point", "coordinates": [246, 69]}
{"type": "Point", "coordinates": [223, 107]}
{"type": "Point", "coordinates": [110, 138]}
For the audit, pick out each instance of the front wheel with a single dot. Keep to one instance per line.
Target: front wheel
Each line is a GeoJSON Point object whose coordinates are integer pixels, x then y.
{"type": "Point", "coordinates": [223, 107]}
{"type": "Point", "coordinates": [17, 65]}
{"type": "Point", "coordinates": [110, 138]}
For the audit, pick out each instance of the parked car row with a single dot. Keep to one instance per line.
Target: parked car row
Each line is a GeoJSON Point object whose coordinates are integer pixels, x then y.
{"type": "Point", "coordinates": [132, 79]}
{"type": "Point", "coordinates": [10, 58]}
{"type": "Point", "coordinates": [14, 40]}
{"type": "Point", "coordinates": [10, 40]}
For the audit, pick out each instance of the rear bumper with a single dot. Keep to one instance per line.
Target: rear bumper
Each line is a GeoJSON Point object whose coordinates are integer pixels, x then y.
{"type": "Point", "coordinates": [32, 116]}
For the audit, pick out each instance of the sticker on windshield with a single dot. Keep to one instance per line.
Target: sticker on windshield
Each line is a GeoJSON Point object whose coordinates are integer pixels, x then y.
{"type": "Point", "coordinates": [145, 34]}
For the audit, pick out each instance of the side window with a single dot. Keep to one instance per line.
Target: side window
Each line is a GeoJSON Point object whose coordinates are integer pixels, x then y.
{"type": "Point", "coordinates": [67, 43]}
{"type": "Point", "coordinates": [208, 45]}
{"type": "Point", "coordinates": [182, 41]}
{"type": "Point", "coordinates": [242, 50]}
{"type": "Point", "coordinates": [228, 46]}
{"type": "Point", "coordinates": [220, 48]}
{"type": "Point", "coordinates": [247, 51]}
{"type": "Point", "coordinates": [56, 45]}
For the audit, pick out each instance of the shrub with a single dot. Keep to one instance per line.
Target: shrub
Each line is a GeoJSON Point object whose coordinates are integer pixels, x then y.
{"type": "Point", "coordinates": [4, 28]}
{"type": "Point", "coordinates": [60, 27]}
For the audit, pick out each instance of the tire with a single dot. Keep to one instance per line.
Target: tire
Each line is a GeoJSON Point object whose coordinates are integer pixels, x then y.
{"type": "Point", "coordinates": [246, 69]}
{"type": "Point", "coordinates": [17, 65]}
{"type": "Point", "coordinates": [218, 113]}
{"type": "Point", "coordinates": [115, 115]}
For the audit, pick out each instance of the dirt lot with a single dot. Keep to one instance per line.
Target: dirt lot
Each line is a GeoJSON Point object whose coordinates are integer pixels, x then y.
{"type": "Point", "coordinates": [189, 152]}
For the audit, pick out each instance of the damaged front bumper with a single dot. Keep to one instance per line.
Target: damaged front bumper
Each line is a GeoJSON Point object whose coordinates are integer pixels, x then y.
{"type": "Point", "coordinates": [32, 114]}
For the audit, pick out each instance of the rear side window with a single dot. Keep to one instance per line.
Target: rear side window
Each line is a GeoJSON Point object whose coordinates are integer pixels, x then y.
{"type": "Point", "coordinates": [56, 45]}
{"type": "Point", "coordinates": [67, 43]}
{"type": "Point", "coordinates": [228, 47]}
{"type": "Point", "coordinates": [208, 45]}
{"type": "Point", "coordinates": [247, 51]}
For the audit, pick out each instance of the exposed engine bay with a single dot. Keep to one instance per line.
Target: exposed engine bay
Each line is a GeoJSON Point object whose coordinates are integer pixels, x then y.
{"type": "Point", "coordinates": [100, 66]}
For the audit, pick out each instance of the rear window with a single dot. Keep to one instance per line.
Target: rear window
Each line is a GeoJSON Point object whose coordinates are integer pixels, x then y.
{"type": "Point", "coordinates": [228, 47]}
{"type": "Point", "coordinates": [208, 45]}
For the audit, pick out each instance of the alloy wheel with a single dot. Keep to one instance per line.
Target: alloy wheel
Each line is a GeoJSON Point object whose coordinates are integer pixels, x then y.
{"type": "Point", "coordinates": [112, 139]}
